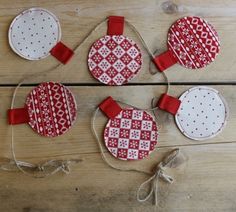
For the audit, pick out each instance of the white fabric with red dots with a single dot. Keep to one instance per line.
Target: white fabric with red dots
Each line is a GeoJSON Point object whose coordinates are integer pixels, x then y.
{"type": "Point", "coordinates": [33, 33]}
{"type": "Point", "coordinates": [131, 135]}
{"type": "Point", "coordinates": [202, 114]}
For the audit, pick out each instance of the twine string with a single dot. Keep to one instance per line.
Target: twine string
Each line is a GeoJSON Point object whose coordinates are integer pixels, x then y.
{"type": "Point", "coordinates": [58, 165]}
{"type": "Point", "coordinates": [152, 56]}
{"type": "Point", "coordinates": [159, 172]}
{"type": "Point", "coordinates": [154, 179]}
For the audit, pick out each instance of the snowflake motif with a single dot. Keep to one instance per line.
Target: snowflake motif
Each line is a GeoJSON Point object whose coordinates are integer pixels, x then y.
{"type": "Point", "coordinates": [104, 78]}
{"type": "Point", "coordinates": [125, 123]}
{"type": "Point", "coordinates": [144, 145]}
{"type": "Point", "coordinates": [104, 51]}
{"type": "Point", "coordinates": [177, 46]}
{"type": "Point", "coordinates": [194, 45]}
{"type": "Point", "coordinates": [202, 58]}
{"type": "Point", "coordinates": [145, 135]}
{"type": "Point", "coordinates": [119, 39]}
{"type": "Point", "coordinates": [125, 45]}
{"type": "Point", "coordinates": [136, 125]}
{"type": "Point", "coordinates": [142, 154]}
{"type": "Point", "coordinates": [133, 144]}
{"type": "Point", "coordinates": [123, 143]}
{"type": "Point", "coordinates": [122, 153]}
{"type": "Point", "coordinates": [114, 132]}
{"type": "Point", "coordinates": [111, 72]}
{"type": "Point", "coordinates": [189, 38]}
{"type": "Point", "coordinates": [124, 133]}
{"type": "Point", "coordinates": [133, 66]}
{"type": "Point", "coordinates": [182, 55]}
{"type": "Point", "coordinates": [181, 25]}
{"type": "Point", "coordinates": [185, 32]}
{"type": "Point", "coordinates": [118, 51]}
{"type": "Point", "coordinates": [119, 65]}
{"type": "Point", "coordinates": [115, 123]}
{"type": "Point", "coordinates": [111, 58]}
{"type": "Point", "coordinates": [146, 125]}
{"type": "Point", "coordinates": [198, 51]}
{"type": "Point", "coordinates": [127, 114]}
{"type": "Point", "coordinates": [154, 136]}
{"type": "Point", "coordinates": [97, 58]}
{"type": "Point", "coordinates": [112, 143]}
{"type": "Point", "coordinates": [137, 114]}
{"type": "Point", "coordinates": [111, 44]}
{"type": "Point", "coordinates": [134, 134]}
{"type": "Point", "coordinates": [97, 72]}
{"type": "Point", "coordinates": [132, 154]}
{"type": "Point", "coordinates": [189, 64]}
{"type": "Point", "coordinates": [126, 59]}
{"type": "Point", "coordinates": [119, 79]}
{"type": "Point", "coordinates": [133, 52]}
{"type": "Point", "coordinates": [126, 73]}
{"type": "Point", "coordinates": [97, 45]}
{"type": "Point", "coordinates": [146, 116]}
{"type": "Point", "coordinates": [104, 65]}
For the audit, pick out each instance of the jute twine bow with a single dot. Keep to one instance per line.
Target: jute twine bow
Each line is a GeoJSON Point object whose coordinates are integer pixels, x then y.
{"type": "Point", "coordinates": [159, 174]}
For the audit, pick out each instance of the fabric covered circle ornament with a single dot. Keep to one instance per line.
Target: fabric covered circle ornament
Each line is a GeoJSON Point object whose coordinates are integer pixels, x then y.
{"type": "Point", "coordinates": [114, 59]}
{"type": "Point", "coordinates": [36, 33]}
{"type": "Point", "coordinates": [130, 134]}
{"type": "Point", "coordinates": [50, 109]}
{"type": "Point", "coordinates": [192, 42]}
{"type": "Point", "coordinates": [202, 114]}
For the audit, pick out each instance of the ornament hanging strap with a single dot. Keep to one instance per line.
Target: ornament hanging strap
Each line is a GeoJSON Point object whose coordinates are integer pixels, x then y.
{"type": "Point", "coordinates": [51, 167]}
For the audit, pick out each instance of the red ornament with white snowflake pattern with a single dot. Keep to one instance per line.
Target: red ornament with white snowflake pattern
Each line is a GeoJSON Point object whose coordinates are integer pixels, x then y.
{"type": "Point", "coordinates": [131, 134]}
{"type": "Point", "coordinates": [114, 59]}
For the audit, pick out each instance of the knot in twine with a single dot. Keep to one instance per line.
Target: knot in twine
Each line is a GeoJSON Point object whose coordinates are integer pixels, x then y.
{"type": "Point", "coordinates": [47, 168]}
{"type": "Point", "coordinates": [159, 174]}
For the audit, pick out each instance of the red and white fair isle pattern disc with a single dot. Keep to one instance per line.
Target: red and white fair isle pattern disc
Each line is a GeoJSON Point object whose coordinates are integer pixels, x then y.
{"type": "Point", "coordinates": [131, 135]}
{"type": "Point", "coordinates": [193, 42]}
{"type": "Point", "coordinates": [114, 60]}
{"type": "Point", "coordinates": [52, 109]}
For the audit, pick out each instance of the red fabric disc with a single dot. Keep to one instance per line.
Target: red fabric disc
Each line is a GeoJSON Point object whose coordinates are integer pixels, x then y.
{"type": "Point", "coordinates": [52, 109]}
{"type": "Point", "coordinates": [131, 135]}
{"type": "Point", "coordinates": [114, 60]}
{"type": "Point", "coordinates": [193, 42]}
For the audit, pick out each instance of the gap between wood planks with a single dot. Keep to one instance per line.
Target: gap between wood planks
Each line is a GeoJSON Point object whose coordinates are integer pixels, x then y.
{"type": "Point", "coordinates": [92, 84]}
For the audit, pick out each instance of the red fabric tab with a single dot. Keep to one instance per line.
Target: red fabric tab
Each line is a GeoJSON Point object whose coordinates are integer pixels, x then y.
{"type": "Point", "coordinates": [110, 107]}
{"type": "Point", "coordinates": [62, 52]}
{"type": "Point", "coordinates": [115, 25]}
{"type": "Point", "coordinates": [164, 60]}
{"type": "Point", "coordinates": [18, 116]}
{"type": "Point", "coordinates": [169, 103]}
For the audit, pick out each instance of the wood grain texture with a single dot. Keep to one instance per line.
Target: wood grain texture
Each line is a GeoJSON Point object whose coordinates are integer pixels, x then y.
{"type": "Point", "coordinates": [204, 173]}
{"type": "Point", "coordinates": [78, 17]}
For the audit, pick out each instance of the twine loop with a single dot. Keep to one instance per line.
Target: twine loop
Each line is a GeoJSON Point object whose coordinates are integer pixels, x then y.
{"type": "Point", "coordinates": [158, 174]}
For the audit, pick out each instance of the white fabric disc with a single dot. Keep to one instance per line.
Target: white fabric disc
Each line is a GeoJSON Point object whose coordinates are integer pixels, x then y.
{"type": "Point", "coordinates": [33, 33]}
{"type": "Point", "coordinates": [202, 114]}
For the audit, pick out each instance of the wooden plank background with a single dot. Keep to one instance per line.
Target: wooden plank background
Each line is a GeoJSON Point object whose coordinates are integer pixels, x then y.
{"type": "Point", "coordinates": [204, 175]}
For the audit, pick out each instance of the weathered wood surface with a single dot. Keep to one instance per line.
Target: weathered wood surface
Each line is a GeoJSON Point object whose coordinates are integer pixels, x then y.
{"type": "Point", "coordinates": [77, 18]}
{"type": "Point", "coordinates": [204, 174]}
